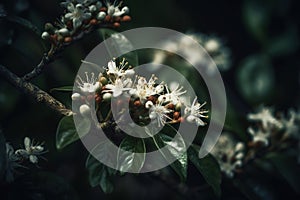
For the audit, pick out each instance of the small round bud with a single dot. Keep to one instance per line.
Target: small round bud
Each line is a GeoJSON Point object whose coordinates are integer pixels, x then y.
{"type": "Point", "coordinates": [126, 18]}
{"type": "Point", "coordinates": [103, 80]}
{"type": "Point", "coordinates": [49, 27]}
{"type": "Point", "coordinates": [76, 96]}
{"type": "Point", "coordinates": [190, 119]}
{"type": "Point", "coordinates": [176, 115]}
{"type": "Point", "coordinates": [67, 39]}
{"type": "Point", "coordinates": [239, 156]}
{"type": "Point", "coordinates": [107, 96]}
{"type": "Point", "coordinates": [178, 106]}
{"type": "Point", "coordinates": [137, 103]}
{"type": "Point", "coordinates": [116, 24]}
{"type": "Point", "coordinates": [93, 8]}
{"type": "Point", "coordinates": [85, 110]}
{"type": "Point", "coordinates": [101, 15]}
{"type": "Point", "coordinates": [64, 32]}
{"type": "Point", "coordinates": [239, 146]}
{"type": "Point", "coordinates": [93, 22]}
{"type": "Point", "coordinates": [148, 104]}
{"type": "Point", "coordinates": [45, 35]}
{"type": "Point", "coordinates": [212, 45]}
{"type": "Point", "coordinates": [125, 10]}
{"type": "Point", "coordinates": [152, 115]}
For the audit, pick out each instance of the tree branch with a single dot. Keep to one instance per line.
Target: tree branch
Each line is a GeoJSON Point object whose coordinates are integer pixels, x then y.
{"type": "Point", "coordinates": [32, 90]}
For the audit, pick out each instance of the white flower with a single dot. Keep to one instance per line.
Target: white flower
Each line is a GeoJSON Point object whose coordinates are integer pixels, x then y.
{"type": "Point", "coordinates": [119, 71]}
{"type": "Point", "coordinates": [88, 86]}
{"type": "Point", "coordinates": [144, 89]}
{"type": "Point", "coordinates": [76, 97]}
{"type": "Point", "coordinates": [194, 113]}
{"type": "Point", "coordinates": [229, 154]}
{"type": "Point", "coordinates": [173, 95]}
{"type": "Point", "coordinates": [114, 10]}
{"type": "Point", "coordinates": [266, 117]}
{"type": "Point", "coordinates": [77, 14]}
{"type": "Point", "coordinates": [260, 136]}
{"type": "Point", "coordinates": [160, 113]}
{"type": "Point", "coordinates": [119, 86]}
{"type": "Point", "coordinates": [290, 126]}
{"type": "Point", "coordinates": [31, 151]}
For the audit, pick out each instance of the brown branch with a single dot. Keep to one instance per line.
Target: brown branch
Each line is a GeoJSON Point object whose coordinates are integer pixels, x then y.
{"type": "Point", "coordinates": [32, 90]}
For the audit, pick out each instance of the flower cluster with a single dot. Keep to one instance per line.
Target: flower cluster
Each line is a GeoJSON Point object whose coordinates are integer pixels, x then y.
{"type": "Point", "coordinates": [214, 46]}
{"type": "Point", "coordinates": [229, 153]}
{"type": "Point", "coordinates": [148, 99]}
{"type": "Point", "coordinates": [269, 126]}
{"type": "Point", "coordinates": [15, 158]}
{"type": "Point", "coordinates": [81, 16]}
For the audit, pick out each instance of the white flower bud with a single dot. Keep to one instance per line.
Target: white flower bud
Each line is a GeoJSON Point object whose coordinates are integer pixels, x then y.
{"type": "Point", "coordinates": [64, 32]}
{"type": "Point", "coordinates": [148, 104]}
{"type": "Point", "coordinates": [45, 35]}
{"type": "Point", "coordinates": [85, 110]}
{"type": "Point", "coordinates": [76, 96]}
{"type": "Point", "coordinates": [191, 119]}
{"type": "Point", "coordinates": [212, 45]}
{"type": "Point", "coordinates": [107, 96]}
{"type": "Point", "coordinates": [93, 8]}
{"type": "Point", "coordinates": [125, 10]}
{"type": "Point", "coordinates": [152, 115]}
{"type": "Point", "coordinates": [239, 147]}
{"type": "Point", "coordinates": [239, 156]}
{"type": "Point", "coordinates": [101, 15]}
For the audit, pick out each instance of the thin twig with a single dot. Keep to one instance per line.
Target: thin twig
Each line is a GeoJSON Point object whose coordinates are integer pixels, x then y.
{"type": "Point", "coordinates": [32, 90]}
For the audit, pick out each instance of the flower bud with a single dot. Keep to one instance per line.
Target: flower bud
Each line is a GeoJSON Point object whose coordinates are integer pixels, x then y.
{"type": "Point", "coordinates": [45, 35]}
{"type": "Point", "coordinates": [93, 8]}
{"type": "Point", "coordinates": [76, 96]}
{"type": "Point", "coordinates": [148, 104]}
{"type": "Point", "coordinates": [101, 15]}
{"type": "Point", "coordinates": [103, 80]}
{"type": "Point", "coordinates": [85, 110]}
{"type": "Point", "coordinates": [212, 45]}
{"type": "Point", "coordinates": [107, 96]}
{"type": "Point", "coordinates": [64, 32]}
{"type": "Point", "coordinates": [190, 119]}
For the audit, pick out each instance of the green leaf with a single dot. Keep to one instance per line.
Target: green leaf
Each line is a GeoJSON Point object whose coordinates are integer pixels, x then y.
{"type": "Point", "coordinates": [175, 150]}
{"type": "Point", "coordinates": [100, 174]}
{"type": "Point", "coordinates": [255, 79]}
{"type": "Point", "coordinates": [66, 131]}
{"type": "Point", "coordinates": [132, 158]}
{"type": "Point", "coordinates": [2, 155]}
{"type": "Point", "coordinates": [208, 167]}
{"type": "Point", "coordinates": [119, 44]}
{"type": "Point", "coordinates": [62, 89]}
{"type": "Point", "coordinates": [288, 167]}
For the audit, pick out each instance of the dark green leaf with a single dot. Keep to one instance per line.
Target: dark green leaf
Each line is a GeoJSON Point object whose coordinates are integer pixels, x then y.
{"type": "Point", "coordinates": [208, 167]}
{"type": "Point", "coordinates": [132, 157]}
{"type": "Point", "coordinates": [2, 155]}
{"type": "Point", "coordinates": [63, 89]}
{"type": "Point", "coordinates": [66, 131]}
{"type": "Point", "coordinates": [119, 44]}
{"type": "Point", "coordinates": [25, 23]}
{"type": "Point", "coordinates": [175, 150]}
{"type": "Point", "coordinates": [288, 167]}
{"type": "Point", "coordinates": [99, 174]}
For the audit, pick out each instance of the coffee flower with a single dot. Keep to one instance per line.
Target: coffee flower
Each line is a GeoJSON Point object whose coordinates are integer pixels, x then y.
{"type": "Point", "coordinates": [31, 151]}
{"type": "Point", "coordinates": [90, 85]}
{"type": "Point", "coordinates": [194, 113]}
{"type": "Point", "coordinates": [77, 14]}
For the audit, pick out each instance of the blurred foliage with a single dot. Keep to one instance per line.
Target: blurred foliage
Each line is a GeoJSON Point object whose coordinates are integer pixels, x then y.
{"type": "Point", "coordinates": [264, 38]}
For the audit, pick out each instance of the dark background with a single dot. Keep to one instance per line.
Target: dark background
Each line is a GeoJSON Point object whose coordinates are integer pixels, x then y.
{"type": "Point", "coordinates": [263, 31]}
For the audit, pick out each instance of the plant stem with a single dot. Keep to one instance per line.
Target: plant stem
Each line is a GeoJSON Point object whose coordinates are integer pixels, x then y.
{"type": "Point", "coordinates": [33, 91]}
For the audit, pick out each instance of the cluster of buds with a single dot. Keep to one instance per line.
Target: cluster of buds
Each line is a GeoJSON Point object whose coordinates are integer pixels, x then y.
{"type": "Point", "coordinates": [82, 16]}
{"type": "Point", "coordinates": [229, 153]}
{"type": "Point", "coordinates": [148, 99]}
